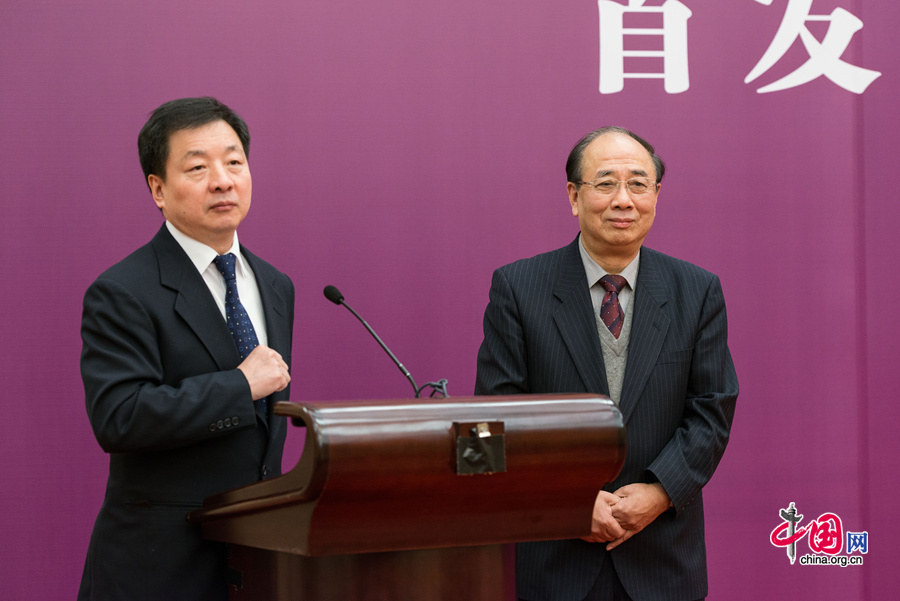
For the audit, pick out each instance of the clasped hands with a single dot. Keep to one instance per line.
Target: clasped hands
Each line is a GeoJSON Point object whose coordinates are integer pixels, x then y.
{"type": "Point", "coordinates": [621, 514]}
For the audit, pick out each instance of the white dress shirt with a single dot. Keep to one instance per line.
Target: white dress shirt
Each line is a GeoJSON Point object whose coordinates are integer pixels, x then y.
{"type": "Point", "coordinates": [202, 257]}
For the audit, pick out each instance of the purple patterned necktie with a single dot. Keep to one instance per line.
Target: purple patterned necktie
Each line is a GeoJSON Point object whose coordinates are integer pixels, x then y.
{"type": "Point", "coordinates": [611, 311]}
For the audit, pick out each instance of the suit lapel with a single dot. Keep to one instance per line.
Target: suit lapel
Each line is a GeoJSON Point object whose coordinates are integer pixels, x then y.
{"type": "Point", "coordinates": [278, 327]}
{"type": "Point", "coordinates": [194, 303]}
{"type": "Point", "coordinates": [574, 317]}
{"type": "Point", "coordinates": [273, 304]}
{"type": "Point", "coordinates": [650, 323]}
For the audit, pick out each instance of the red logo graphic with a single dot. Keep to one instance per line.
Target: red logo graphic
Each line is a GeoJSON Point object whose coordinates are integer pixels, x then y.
{"type": "Point", "coordinates": [826, 534]}
{"type": "Point", "coordinates": [825, 537]}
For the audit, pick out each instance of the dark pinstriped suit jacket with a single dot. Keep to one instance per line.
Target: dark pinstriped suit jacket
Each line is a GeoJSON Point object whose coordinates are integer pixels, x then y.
{"type": "Point", "coordinates": [176, 417]}
{"type": "Point", "coordinates": [678, 399]}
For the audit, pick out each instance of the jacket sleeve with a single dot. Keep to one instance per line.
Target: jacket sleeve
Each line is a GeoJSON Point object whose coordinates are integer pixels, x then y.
{"type": "Point", "coordinates": [137, 398]}
{"type": "Point", "coordinates": [502, 367]}
{"type": "Point", "coordinates": [687, 462]}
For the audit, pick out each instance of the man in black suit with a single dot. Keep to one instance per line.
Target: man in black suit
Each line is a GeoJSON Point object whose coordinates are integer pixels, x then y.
{"type": "Point", "coordinates": [655, 341]}
{"type": "Point", "coordinates": [181, 410]}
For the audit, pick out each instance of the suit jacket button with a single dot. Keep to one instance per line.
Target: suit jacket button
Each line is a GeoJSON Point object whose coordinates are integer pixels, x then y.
{"type": "Point", "coordinates": [220, 424]}
{"type": "Point", "coordinates": [227, 422]}
{"type": "Point", "coordinates": [212, 427]}
{"type": "Point", "coordinates": [235, 421]}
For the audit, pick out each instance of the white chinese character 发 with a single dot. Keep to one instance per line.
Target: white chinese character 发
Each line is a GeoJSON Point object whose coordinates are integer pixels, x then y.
{"type": "Point", "coordinates": [824, 57]}
{"type": "Point", "coordinates": [612, 44]}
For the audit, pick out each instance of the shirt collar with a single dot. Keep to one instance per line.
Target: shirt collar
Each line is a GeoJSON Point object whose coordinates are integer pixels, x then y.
{"type": "Point", "coordinates": [595, 272]}
{"type": "Point", "coordinates": [202, 255]}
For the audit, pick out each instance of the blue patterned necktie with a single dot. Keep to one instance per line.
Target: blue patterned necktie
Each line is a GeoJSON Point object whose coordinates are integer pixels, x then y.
{"type": "Point", "coordinates": [611, 311]}
{"type": "Point", "coordinates": [236, 317]}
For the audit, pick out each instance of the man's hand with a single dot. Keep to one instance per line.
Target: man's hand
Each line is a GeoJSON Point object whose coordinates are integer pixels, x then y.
{"type": "Point", "coordinates": [637, 506]}
{"type": "Point", "coordinates": [604, 526]}
{"type": "Point", "coordinates": [266, 372]}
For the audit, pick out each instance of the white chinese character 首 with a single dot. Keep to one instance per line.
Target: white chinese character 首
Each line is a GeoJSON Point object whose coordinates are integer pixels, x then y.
{"type": "Point", "coordinates": [673, 32]}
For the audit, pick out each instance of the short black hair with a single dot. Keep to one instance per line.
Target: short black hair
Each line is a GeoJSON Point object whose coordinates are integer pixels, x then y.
{"type": "Point", "coordinates": [573, 163]}
{"type": "Point", "coordinates": [176, 115]}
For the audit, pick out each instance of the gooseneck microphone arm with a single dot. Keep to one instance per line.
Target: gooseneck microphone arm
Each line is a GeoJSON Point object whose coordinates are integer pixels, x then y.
{"type": "Point", "coordinates": [335, 296]}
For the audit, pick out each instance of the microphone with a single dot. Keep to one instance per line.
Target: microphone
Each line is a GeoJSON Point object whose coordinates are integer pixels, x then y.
{"type": "Point", "coordinates": [335, 296]}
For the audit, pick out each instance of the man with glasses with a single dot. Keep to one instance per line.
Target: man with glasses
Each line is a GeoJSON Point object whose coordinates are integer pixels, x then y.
{"type": "Point", "coordinates": [607, 315]}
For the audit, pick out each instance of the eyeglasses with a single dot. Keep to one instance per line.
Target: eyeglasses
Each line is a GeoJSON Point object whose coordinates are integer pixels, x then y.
{"type": "Point", "coordinates": [636, 186]}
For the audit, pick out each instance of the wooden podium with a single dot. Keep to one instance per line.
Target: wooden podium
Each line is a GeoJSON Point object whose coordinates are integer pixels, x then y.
{"type": "Point", "coordinates": [413, 499]}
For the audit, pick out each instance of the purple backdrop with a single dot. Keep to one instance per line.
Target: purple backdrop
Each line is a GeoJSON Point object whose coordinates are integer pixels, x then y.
{"type": "Point", "coordinates": [403, 150]}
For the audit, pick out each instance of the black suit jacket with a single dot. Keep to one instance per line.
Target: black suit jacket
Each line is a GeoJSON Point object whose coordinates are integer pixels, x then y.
{"type": "Point", "coordinates": [167, 403]}
{"type": "Point", "coordinates": [677, 401]}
